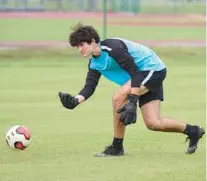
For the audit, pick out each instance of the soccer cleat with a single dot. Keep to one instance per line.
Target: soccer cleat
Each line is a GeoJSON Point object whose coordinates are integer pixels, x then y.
{"type": "Point", "coordinates": [193, 143]}
{"type": "Point", "coordinates": [111, 151]}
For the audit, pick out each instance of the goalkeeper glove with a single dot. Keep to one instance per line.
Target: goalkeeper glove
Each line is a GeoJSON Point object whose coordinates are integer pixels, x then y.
{"type": "Point", "coordinates": [129, 111]}
{"type": "Point", "coordinates": [68, 101]}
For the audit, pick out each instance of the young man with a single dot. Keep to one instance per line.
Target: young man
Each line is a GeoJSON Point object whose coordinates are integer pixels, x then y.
{"type": "Point", "coordinates": [140, 74]}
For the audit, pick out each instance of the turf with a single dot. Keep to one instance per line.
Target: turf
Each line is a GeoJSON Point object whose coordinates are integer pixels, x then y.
{"type": "Point", "coordinates": [58, 29]}
{"type": "Point", "coordinates": [64, 142]}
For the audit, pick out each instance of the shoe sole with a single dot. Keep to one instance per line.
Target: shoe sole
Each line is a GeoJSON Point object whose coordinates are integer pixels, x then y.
{"type": "Point", "coordinates": [108, 155]}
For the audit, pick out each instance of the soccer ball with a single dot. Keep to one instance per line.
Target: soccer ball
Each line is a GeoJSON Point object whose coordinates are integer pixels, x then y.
{"type": "Point", "coordinates": [18, 137]}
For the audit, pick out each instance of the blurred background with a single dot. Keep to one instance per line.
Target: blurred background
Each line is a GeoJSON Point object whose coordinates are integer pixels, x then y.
{"type": "Point", "coordinates": [179, 19]}
{"type": "Point", "coordinates": [131, 6]}
{"type": "Point", "coordinates": [36, 62]}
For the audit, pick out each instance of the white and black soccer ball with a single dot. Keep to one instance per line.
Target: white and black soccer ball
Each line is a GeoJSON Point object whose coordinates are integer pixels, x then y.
{"type": "Point", "coordinates": [18, 137]}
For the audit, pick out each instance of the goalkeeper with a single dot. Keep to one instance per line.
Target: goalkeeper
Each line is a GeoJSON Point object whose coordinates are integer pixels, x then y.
{"type": "Point", "coordinates": [140, 74]}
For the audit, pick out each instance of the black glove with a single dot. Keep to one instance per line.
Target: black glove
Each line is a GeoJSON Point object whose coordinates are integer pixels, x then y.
{"type": "Point", "coordinates": [129, 111]}
{"type": "Point", "coordinates": [68, 101]}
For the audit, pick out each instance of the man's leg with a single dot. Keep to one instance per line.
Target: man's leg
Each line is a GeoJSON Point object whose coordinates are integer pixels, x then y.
{"type": "Point", "coordinates": [119, 99]}
{"type": "Point", "coordinates": [151, 116]}
{"type": "Point", "coordinates": [153, 120]}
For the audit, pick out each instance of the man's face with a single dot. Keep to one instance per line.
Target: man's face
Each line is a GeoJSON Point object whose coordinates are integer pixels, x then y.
{"type": "Point", "coordinates": [85, 49]}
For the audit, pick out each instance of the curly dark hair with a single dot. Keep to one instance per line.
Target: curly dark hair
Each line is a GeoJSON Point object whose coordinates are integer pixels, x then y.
{"type": "Point", "coordinates": [83, 33]}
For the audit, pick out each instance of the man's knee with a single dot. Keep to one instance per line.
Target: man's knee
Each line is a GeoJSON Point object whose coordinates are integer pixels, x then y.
{"type": "Point", "coordinates": [118, 99]}
{"type": "Point", "coordinates": [154, 124]}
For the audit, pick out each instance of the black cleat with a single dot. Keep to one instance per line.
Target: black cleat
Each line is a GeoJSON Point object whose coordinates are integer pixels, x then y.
{"type": "Point", "coordinates": [193, 143]}
{"type": "Point", "coordinates": [111, 151]}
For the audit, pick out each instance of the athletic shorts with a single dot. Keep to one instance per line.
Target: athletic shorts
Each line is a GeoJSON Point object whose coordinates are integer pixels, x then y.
{"type": "Point", "coordinates": [153, 80]}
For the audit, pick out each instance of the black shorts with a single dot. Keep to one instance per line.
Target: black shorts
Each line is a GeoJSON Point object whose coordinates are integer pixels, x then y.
{"type": "Point", "coordinates": [153, 81]}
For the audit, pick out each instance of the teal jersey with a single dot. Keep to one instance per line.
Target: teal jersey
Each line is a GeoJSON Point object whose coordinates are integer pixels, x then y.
{"type": "Point", "coordinates": [120, 60]}
{"type": "Point", "coordinates": [116, 52]}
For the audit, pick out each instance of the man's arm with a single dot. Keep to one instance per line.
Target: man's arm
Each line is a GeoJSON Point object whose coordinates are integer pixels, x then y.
{"type": "Point", "coordinates": [92, 80]}
{"type": "Point", "coordinates": [129, 111]}
{"type": "Point", "coordinates": [119, 52]}
{"type": "Point", "coordinates": [70, 102]}
{"type": "Point", "coordinates": [126, 62]}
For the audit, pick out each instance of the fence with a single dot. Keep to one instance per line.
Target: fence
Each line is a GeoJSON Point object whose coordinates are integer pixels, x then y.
{"type": "Point", "coordinates": [132, 6]}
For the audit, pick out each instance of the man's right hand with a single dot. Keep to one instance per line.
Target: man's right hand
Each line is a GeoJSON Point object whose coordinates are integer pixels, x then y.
{"type": "Point", "coordinates": [68, 101]}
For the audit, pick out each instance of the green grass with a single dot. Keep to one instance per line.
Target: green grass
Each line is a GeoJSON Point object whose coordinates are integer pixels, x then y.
{"type": "Point", "coordinates": [58, 29]}
{"type": "Point", "coordinates": [64, 142]}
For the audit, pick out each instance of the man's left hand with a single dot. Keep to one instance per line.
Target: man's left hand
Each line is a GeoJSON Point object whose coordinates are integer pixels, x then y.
{"type": "Point", "coordinates": [129, 111]}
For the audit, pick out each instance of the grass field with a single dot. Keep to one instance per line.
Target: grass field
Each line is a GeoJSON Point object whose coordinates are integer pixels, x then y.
{"type": "Point", "coordinates": [64, 142]}
{"type": "Point", "coordinates": [57, 29]}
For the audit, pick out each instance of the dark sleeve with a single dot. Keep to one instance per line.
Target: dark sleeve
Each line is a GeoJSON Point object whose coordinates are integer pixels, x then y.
{"type": "Point", "coordinates": [92, 80]}
{"type": "Point", "coordinates": [124, 59]}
